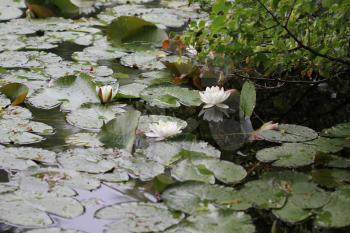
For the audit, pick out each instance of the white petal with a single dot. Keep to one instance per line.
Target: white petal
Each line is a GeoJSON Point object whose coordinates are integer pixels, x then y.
{"type": "Point", "coordinates": [222, 106]}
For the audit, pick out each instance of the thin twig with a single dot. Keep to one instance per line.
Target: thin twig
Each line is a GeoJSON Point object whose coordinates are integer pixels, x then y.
{"type": "Point", "coordinates": [277, 79]}
{"type": "Point", "coordinates": [299, 42]}
{"type": "Point", "coordinates": [290, 13]}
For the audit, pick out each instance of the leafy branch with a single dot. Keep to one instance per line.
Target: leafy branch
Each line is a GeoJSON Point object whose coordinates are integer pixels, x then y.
{"type": "Point", "coordinates": [298, 41]}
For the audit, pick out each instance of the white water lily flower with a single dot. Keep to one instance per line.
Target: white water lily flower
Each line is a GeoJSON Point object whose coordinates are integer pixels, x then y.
{"type": "Point", "coordinates": [163, 130]}
{"type": "Point", "coordinates": [106, 93]}
{"type": "Point", "coordinates": [214, 96]}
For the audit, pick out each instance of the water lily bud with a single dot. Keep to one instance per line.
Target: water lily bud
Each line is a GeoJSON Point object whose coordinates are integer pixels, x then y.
{"type": "Point", "coordinates": [105, 93]}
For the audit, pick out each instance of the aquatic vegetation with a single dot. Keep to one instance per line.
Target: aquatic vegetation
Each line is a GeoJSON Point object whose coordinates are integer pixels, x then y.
{"type": "Point", "coordinates": [113, 120]}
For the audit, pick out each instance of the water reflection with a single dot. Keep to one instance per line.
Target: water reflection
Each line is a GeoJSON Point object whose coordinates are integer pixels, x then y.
{"type": "Point", "coordinates": [93, 201]}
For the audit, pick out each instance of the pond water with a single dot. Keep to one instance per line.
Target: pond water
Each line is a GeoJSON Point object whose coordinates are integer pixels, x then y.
{"type": "Point", "coordinates": [69, 163]}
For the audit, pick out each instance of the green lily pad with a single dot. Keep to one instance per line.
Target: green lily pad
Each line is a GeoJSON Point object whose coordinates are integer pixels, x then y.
{"type": "Point", "coordinates": [130, 91]}
{"type": "Point", "coordinates": [84, 140]}
{"type": "Point", "coordinates": [30, 59]}
{"type": "Point", "coordinates": [288, 155]}
{"type": "Point", "coordinates": [15, 112]}
{"type": "Point", "coordinates": [69, 92]}
{"type": "Point", "coordinates": [289, 133]}
{"type": "Point", "coordinates": [21, 158]}
{"type": "Point", "coordinates": [143, 60]}
{"type": "Point", "coordinates": [91, 160]}
{"type": "Point", "coordinates": [223, 221]}
{"type": "Point", "coordinates": [93, 116]}
{"type": "Point", "coordinates": [338, 131]}
{"type": "Point", "coordinates": [207, 170]}
{"type": "Point", "coordinates": [16, 92]}
{"type": "Point", "coordinates": [142, 168]}
{"type": "Point", "coordinates": [60, 8]}
{"type": "Point", "coordinates": [170, 96]}
{"type": "Point", "coordinates": [100, 51]}
{"type": "Point", "coordinates": [131, 29]}
{"type": "Point", "coordinates": [333, 161]}
{"type": "Point", "coordinates": [139, 217]}
{"type": "Point", "coordinates": [21, 131]}
{"type": "Point", "coordinates": [121, 131]}
{"type": "Point", "coordinates": [23, 213]}
{"type": "Point", "coordinates": [264, 194]}
{"type": "Point", "coordinates": [4, 101]}
{"type": "Point", "coordinates": [303, 195]}
{"type": "Point", "coordinates": [53, 230]}
{"type": "Point", "coordinates": [331, 178]}
{"type": "Point", "coordinates": [332, 214]}
{"type": "Point", "coordinates": [328, 145]}
{"type": "Point", "coordinates": [9, 12]}
{"type": "Point", "coordinates": [169, 152]}
{"type": "Point", "coordinates": [191, 197]}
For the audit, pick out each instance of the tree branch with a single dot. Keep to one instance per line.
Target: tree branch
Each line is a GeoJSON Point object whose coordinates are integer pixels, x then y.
{"type": "Point", "coordinates": [300, 43]}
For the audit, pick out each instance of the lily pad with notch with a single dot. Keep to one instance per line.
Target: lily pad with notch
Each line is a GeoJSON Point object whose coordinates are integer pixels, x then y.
{"type": "Point", "coordinates": [139, 217]}
{"type": "Point", "coordinates": [288, 155]}
{"type": "Point", "coordinates": [289, 133]}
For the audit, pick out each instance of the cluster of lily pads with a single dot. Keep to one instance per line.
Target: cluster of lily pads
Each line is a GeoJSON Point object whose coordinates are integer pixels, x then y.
{"type": "Point", "coordinates": [194, 191]}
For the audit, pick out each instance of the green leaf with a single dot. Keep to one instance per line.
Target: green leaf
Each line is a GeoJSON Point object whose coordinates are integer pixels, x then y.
{"type": "Point", "coordinates": [131, 29]}
{"type": "Point", "coordinates": [138, 217]}
{"type": "Point", "coordinates": [248, 98]}
{"type": "Point", "coordinates": [120, 132]}
{"type": "Point", "coordinates": [16, 92]}
{"type": "Point", "coordinates": [165, 96]}
{"type": "Point", "coordinates": [333, 213]}
{"type": "Point", "coordinates": [288, 155]}
{"type": "Point", "coordinates": [289, 133]}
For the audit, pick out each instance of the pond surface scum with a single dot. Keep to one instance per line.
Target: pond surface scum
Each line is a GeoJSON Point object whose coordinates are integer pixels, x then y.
{"type": "Point", "coordinates": [98, 133]}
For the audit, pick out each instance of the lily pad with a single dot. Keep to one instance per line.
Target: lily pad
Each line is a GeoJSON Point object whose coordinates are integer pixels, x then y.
{"type": "Point", "coordinates": [207, 170]}
{"type": "Point", "coordinates": [139, 217]}
{"type": "Point", "coordinates": [91, 160]}
{"type": "Point", "coordinates": [328, 145]}
{"type": "Point", "coordinates": [19, 131]}
{"type": "Point", "coordinates": [288, 155]}
{"type": "Point", "coordinates": [303, 195]}
{"type": "Point", "coordinates": [21, 158]}
{"type": "Point", "coordinates": [142, 168]}
{"type": "Point", "coordinates": [191, 197]}
{"type": "Point", "coordinates": [4, 101]}
{"type": "Point", "coordinates": [54, 182]}
{"type": "Point", "coordinates": [30, 59]}
{"type": "Point", "coordinates": [16, 92]}
{"type": "Point", "coordinates": [289, 133]}
{"type": "Point", "coordinates": [331, 178]}
{"type": "Point", "coordinates": [333, 161]}
{"type": "Point", "coordinates": [169, 152]}
{"type": "Point", "coordinates": [9, 12]}
{"type": "Point", "coordinates": [94, 116]}
{"type": "Point", "coordinates": [53, 230]}
{"type": "Point", "coordinates": [143, 61]}
{"type": "Point", "coordinates": [84, 140]}
{"type": "Point", "coordinates": [264, 194]}
{"type": "Point", "coordinates": [121, 131]}
{"type": "Point", "coordinates": [332, 214]}
{"type": "Point", "coordinates": [130, 91]}
{"type": "Point", "coordinates": [338, 131]}
{"type": "Point", "coordinates": [15, 112]}
{"type": "Point", "coordinates": [69, 92]}
{"type": "Point", "coordinates": [131, 29]}
{"type": "Point", "coordinates": [223, 221]}
{"type": "Point", "coordinates": [170, 96]}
